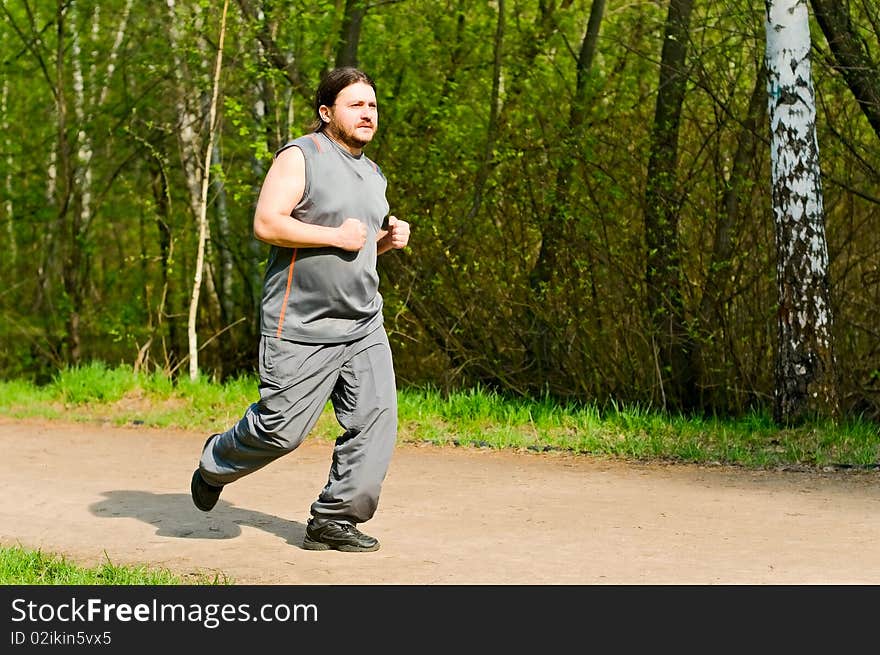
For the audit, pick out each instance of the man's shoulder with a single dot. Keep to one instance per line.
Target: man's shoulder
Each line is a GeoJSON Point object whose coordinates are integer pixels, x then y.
{"type": "Point", "coordinates": [310, 144]}
{"type": "Point", "coordinates": [375, 167]}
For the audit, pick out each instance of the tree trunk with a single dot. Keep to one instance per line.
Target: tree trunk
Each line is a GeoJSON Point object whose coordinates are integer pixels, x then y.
{"type": "Point", "coordinates": [83, 182]}
{"type": "Point", "coordinates": [554, 233]}
{"type": "Point", "coordinates": [350, 35]}
{"type": "Point", "coordinates": [585, 64]}
{"type": "Point", "coordinates": [677, 379]}
{"type": "Point", "coordinates": [267, 114]}
{"type": "Point", "coordinates": [76, 206]}
{"type": "Point", "coordinates": [851, 56]}
{"type": "Point", "coordinates": [190, 141]}
{"type": "Point", "coordinates": [222, 242]}
{"type": "Point", "coordinates": [805, 369]}
{"type": "Point", "coordinates": [720, 268]}
{"type": "Point", "coordinates": [68, 215]}
{"type": "Point", "coordinates": [746, 146]}
{"type": "Point", "coordinates": [492, 127]}
{"type": "Point", "coordinates": [162, 198]}
{"type": "Point", "coordinates": [8, 217]}
{"type": "Point", "coordinates": [203, 208]}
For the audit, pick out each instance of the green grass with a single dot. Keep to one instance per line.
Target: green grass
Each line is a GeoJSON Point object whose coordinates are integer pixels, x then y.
{"type": "Point", "coordinates": [33, 567]}
{"type": "Point", "coordinates": [473, 418]}
{"type": "Point", "coordinates": [485, 419]}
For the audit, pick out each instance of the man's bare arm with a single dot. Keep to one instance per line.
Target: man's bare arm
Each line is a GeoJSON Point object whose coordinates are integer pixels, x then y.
{"type": "Point", "coordinates": [282, 189]}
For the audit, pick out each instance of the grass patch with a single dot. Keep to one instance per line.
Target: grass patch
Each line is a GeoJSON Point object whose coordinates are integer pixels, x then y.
{"type": "Point", "coordinates": [474, 418]}
{"type": "Point", "coordinates": [93, 382]}
{"type": "Point", "coordinates": [23, 566]}
{"type": "Point", "coordinates": [485, 419]}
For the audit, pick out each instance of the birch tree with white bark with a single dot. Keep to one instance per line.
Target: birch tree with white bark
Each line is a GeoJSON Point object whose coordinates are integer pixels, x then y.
{"type": "Point", "coordinates": [8, 217]}
{"type": "Point", "coordinates": [805, 372]}
{"type": "Point", "coordinates": [203, 206]}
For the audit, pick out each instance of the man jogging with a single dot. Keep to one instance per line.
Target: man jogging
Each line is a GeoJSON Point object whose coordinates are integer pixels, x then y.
{"type": "Point", "coordinates": [322, 208]}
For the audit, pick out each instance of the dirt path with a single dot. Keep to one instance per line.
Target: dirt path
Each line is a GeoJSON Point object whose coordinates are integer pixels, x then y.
{"type": "Point", "coordinates": [447, 515]}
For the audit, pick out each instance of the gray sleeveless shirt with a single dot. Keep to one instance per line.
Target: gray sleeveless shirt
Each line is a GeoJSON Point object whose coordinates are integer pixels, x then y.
{"type": "Point", "coordinates": [328, 295]}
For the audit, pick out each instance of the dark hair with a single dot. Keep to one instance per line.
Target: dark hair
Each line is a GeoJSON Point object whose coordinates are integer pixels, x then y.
{"type": "Point", "coordinates": [332, 83]}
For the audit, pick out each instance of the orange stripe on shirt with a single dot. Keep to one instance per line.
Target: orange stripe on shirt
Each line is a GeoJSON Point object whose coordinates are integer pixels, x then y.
{"type": "Point", "coordinates": [286, 293]}
{"type": "Point", "coordinates": [317, 142]}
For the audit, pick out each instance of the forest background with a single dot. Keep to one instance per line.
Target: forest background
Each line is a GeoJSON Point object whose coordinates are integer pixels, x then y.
{"type": "Point", "coordinates": [549, 155]}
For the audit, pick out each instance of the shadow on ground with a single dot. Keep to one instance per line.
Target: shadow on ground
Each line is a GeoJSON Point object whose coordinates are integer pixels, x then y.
{"type": "Point", "coordinates": [173, 515]}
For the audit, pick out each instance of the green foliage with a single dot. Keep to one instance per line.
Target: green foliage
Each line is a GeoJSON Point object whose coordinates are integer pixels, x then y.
{"type": "Point", "coordinates": [22, 566]}
{"type": "Point", "coordinates": [107, 242]}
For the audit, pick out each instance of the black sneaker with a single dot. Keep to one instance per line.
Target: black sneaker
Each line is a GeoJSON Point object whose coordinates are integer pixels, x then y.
{"type": "Point", "coordinates": [337, 535]}
{"type": "Point", "coordinates": [204, 495]}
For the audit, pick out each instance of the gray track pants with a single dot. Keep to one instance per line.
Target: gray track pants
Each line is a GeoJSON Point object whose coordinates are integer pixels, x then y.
{"type": "Point", "coordinates": [296, 381]}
